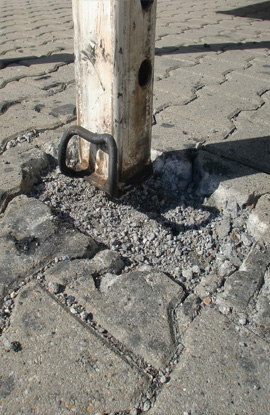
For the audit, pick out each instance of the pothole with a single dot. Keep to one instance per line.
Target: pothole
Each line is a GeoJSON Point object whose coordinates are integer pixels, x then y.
{"type": "Point", "coordinates": [163, 224]}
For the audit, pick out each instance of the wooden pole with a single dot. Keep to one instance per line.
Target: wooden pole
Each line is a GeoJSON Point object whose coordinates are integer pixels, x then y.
{"type": "Point", "coordinates": [114, 62]}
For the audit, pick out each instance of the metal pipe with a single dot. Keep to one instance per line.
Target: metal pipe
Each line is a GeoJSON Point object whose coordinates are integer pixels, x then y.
{"type": "Point", "coordinates": [99, 139]}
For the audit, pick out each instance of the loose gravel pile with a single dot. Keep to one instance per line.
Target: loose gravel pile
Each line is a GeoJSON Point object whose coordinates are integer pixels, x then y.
{"type": "Point", "coordinates": [162, 224]}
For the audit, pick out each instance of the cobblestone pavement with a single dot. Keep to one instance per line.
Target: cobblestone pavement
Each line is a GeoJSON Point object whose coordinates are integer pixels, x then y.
{"type": "Point", "coordinates": [81, 334]}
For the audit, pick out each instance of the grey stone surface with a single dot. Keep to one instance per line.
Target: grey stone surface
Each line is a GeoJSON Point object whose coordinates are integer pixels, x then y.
{"type": "Point", "coordinates": [20, 168]}
{"type": "Point", "coordinates": [261, 317]}
{"type": "Point", "coordinates": [226, 182]}
{"type": "Point", "coordinates": [259, 221]}
{"type": "Point", "coordinates": [211, 94]}
{"type": "Point", "coordinates": [136, 308]}
{"type": "Point", "coordinates": [62, 367]}
{"type": "Point", "coordinates": [31, 237]}
{"type": "Point", "coordinates": [78, 276]}
{"type": "Point", "coordinates": [241, 287]}
{"type": "Point", "coordinates": [187, 311]}
{"type": "Point", "coordinates": [222, 371]}
{"type": "Point", "coordinates": [208, 285]}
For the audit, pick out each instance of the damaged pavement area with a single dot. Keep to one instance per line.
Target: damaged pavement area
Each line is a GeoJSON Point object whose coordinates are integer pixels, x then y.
{"type": "Point", "coordinates": [158, 302]}
{"type": "Point", "coordinates": [80, 273]}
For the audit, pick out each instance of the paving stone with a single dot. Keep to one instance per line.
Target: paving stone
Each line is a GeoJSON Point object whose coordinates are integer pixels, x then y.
{"type": "Point", "coordinates": [187, 311]}
{"type": "Point", "coordinates": [261, 115]}
{"type": "Point", "coordinates": [239, 289]}
{"type": "Point", "coordinates": [30, 237]}
{"type": "Point", "coordinates": [36, 90]}
{"type": "Point", "coordinates": [241, 286]}
{"type": "Point", "coordinates": [244, 145]}
{"type": "Point", "coordinates": [208, 285]}
{"type": "Point", "coordinates": [261, 317]}
{"type": "Point", "coordinates": [225, 181]}
{"type": "Point", "coordinates": [36, 67]}
{"type": "Point", "coordinates": [217, 374]}
{"type": "Point", "coordinates": [30, 52]}
{"type": "Point", "coordinates": [244, 88]}
{"type": "Point", "coordinates": [19, 170]}
{"type": "Point", "coordinates": [56, 347]}
{"type": "Point", "coordinates": [164, 66]}
{"type": "Point", "coordinates": [20, 119]}
{"type": "Point", "coordinates": [259, 221]}
{"type": "Point", "coordinates": [76, 273]}
{"type": "Point", "coordinates": [136, 308]}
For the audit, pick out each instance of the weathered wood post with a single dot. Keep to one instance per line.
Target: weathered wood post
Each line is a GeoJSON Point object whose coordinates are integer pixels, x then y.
{"type": "Point", "coordinates": [114, 60]}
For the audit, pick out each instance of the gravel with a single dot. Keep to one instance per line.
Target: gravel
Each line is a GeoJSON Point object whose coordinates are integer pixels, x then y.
{"type": "Point", "coordinates": [155, 225]}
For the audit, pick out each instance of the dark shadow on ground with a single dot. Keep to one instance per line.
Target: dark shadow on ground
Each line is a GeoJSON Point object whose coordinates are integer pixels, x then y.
{"type": "Point", "coordinates": [35, 60]}
{"type": "Point", "coordinates": [224, 161]}
{"type": "Point", "coordinates": [254, 11]}
{"type": "Point", "coordinates": [253, 153]}
{"type": "Point", "coordinates": [214, 47]}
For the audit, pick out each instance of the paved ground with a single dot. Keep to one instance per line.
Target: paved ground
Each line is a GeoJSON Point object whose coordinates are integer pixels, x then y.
{"type": "Point", "coordinates": [161, 353]}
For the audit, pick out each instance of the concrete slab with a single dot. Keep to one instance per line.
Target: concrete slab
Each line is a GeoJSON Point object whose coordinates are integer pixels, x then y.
{"type": "Point", "coordinates": [29, 120]}
{"type": "Point", "coordinates": [136, 308]}
{"type": "Point", "coordinates": [259, 221]}
{"type": "Point", "coordinates": [31, 237]}
{"type": "Point", "coordinates": [62, 367]}
{"type": "Point", "coordinates": [19, 170]}
{"type": "Point", "coordinates": [225, 182]}
{"type": "Point", "coordinates": [221, 371]}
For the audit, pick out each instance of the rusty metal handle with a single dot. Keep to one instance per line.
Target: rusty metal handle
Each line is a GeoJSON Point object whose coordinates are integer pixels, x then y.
{"type": "Point", "coordinates": [105, 139]}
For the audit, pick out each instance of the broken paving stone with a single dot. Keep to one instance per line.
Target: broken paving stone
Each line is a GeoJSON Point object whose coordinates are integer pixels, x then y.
{"type": "Point", "coordinates": [224, 228]}
{"type": "Point", "coordinates": [72, 274]}
{"type": "Point", "coordinates": [107, 261]}
{"type": "Point", "coordinates": [75, 274]}
{"type": "Point", "coordinates": [208, 285]}
{"type": "Point", "coordinates": [258, 223]}
{"type": "Point", "coordinates": [100, 381]}
{"type": "Point", "coordinates": [136, 309]}
{"type": "Point", "coordinates": [19, 169]}
{"type": "Point", "coordinates": [30, 238]}
{"type": "Point", "coordinates": [257, 260]}
{"type": "Point", "coordinates": [224, 182]}
{"type": "Point", "coordinates": [261, 316]}
{"type": "Point", "coordinates": [239, 288]}
{"type": "Point", "coordinates": [215, 374]}
{"type": "Point", "coordinates": [187, 311]}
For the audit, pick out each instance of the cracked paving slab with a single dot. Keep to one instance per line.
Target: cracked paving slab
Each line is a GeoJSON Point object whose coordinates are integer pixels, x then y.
{"type": "Point", "coordinates": [225, 182]}
{"type": "Point", "coordinates": [260, 116]}
{"type": "Point", "coordinates": [56, 346]}
{"type": "Point", "coordinates": [136, 308]}
{"type": "Point", "coordinates": [34, 67]}
{"type": "Point", "coordinates": [19, 170]}
{"type": "Point", "coordinates": [31, 237]}
{"type": "Point", "coordinates": [35, 91]}
{"type": "Point", "coordinates": [208, 118]}
{"type": "Point", "coordinates": [224, 369]}
{"type": "Point", "coordinates": [19, 119]}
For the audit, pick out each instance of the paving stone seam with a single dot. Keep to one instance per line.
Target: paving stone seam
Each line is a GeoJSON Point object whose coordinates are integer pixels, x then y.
{"type": "Point", "coordinates": [71, 119]}
{"type": "Point", "coordinates": [17, 78]}
{"type": "Point", "coordinates": [7, 104]}
{"type": "Point", "coordinates": [157, 377]}
{"type": "Point", "coordinates": [11, 61]}
{"type": "Point", "coordinates": [233, 116]}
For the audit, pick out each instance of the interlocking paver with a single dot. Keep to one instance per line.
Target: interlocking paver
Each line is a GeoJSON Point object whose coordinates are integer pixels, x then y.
{"type": "Point", "coordinates": [222, 371]}
{"type": "Point", "coordinates": [211, 82]}
{"type": "Point", "coordinates": [63, 367]}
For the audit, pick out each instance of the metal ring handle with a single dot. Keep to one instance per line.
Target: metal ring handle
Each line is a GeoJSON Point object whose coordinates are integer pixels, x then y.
{"type": "Point", "coordinates": [99, 139]}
